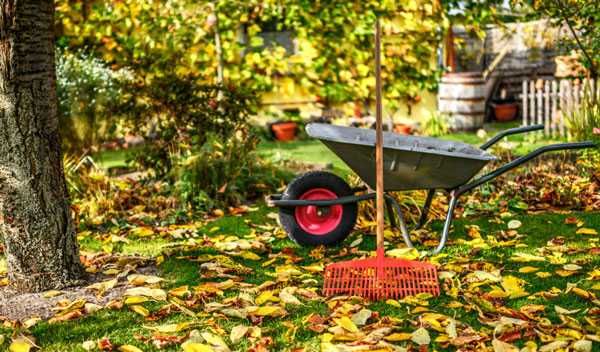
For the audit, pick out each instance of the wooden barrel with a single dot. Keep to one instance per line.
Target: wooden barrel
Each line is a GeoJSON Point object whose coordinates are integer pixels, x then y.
{"type": "Point", "coordinates": [461, 96]}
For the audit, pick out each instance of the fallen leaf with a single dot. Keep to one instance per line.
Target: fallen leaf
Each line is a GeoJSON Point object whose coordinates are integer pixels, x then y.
{"type": "Point", "coordinates": [561, 310]}
{"type": "Point", "coordinates": [404, 253]}
{"type": "Point", "coordinates": [346, 323]}
{"type": "Point", "coordinates": [129, 348]}
{"type": "Point", "coordinates": [582, 346]}
{"type": "Point", "coordinates": [554, 346]}
{"type": "Point", "coordinates": [514, 224]}
{"type": "Point", "coordinates": [139, 280]}
{"type": "Point", "coordinates": [501, 346]}
{"type": "Point", "coordinates": [514, 286]}
{"type": "Point", "coordinates": [360, 318]}
{"type": "Point", "coordinates": [287, 296]}
{"type": "Point", "coordinates": [586, 231]}
{"type": "Point", "coordinates": [528, 269]}
{"type": "Point", "coordinates": [196, 347]}
{"type": "Point", "coordinates": [155, 293]}
{"type": "Point", "coordinates": [237, 333]}
{"type": "Point", "coordinates": [421, 337]}
{"type": "Point", "coordinates": [398, 336]}
{"type": "Point", "coordinates": [89, 345]}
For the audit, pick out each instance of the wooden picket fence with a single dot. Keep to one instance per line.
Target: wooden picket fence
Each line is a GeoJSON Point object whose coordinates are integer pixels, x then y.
{"type": "Point", "coordinates": [547, 101]}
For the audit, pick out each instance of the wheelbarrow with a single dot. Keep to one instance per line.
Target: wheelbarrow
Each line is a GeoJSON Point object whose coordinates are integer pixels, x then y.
{"type": "Point", "coordinates": [320, 208]}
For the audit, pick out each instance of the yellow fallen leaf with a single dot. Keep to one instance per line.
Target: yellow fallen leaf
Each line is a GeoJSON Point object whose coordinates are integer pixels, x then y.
{"type": "Point", "coordinates": [52, 293]}
{"type": "Point", "coordinates": [180, 292]}
{"type": "Point", "coordinates": [129, 348]}
{"type": "Point", "coordinates": [139, 280]}
{"type": "Point", "coordinates": [514, 286]}
{"type": "Point", "coordinates": [135, 300]}
{"type": "Point", "coordinates": [266, 296]}
{"type": "Point", "coordinates": [155, 293]}
{"type": "Point", "coordinates": [140, 310]}
{"type": "Point", "coordinates": [271, 311]}
{"type": "Point", "coordinates": [346, 323]}
{"type": "Point", "coordinates": [172, 328]}
{"type": "Point", "coordinates": [19, 346]}
{"type": "Point", "coordinates": [196, 347]}
{"type": "Point", "coordinates": [393, 303]}
{"type": "Point", "coordinates": [141, 232]}
{"type": "Point", "coordinates": [525, 258]}
{"type": "Point", "coordinates": [528, 269]}
{"type": "Point", "coordinates": [250, 255]}
{"type": "Point", "coordinates": [543, 274]}
{"type": "Point", "coordinates": [404, 253]}
{"type": "Point", "coordinates": [586, 231]}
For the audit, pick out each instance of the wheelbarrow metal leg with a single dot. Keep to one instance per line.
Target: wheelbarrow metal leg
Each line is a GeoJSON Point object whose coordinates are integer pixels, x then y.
{"type": "Point", "coordinates": [401, 223]}
{"type": "Point", "coordinates": [426, 206]}
{"type": "Point", "coordinates": [390, 210]}
{"type": "Point", "coordinates": [448, 223]}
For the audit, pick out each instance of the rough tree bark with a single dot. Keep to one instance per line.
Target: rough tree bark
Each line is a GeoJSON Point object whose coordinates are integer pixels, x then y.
{"type": "Point", "coordinates": [35, 219]}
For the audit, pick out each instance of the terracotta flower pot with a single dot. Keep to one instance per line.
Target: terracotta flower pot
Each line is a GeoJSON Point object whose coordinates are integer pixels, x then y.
{"type": "Point", "coordinates": [284, 131]}
{"type": "Point", "coordinates": [506, 111]}
{"type": "Point", "coordinates": [402, 129]}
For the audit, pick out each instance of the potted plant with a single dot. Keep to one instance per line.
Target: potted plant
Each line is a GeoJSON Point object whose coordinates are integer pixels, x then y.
{"type": "Point", "coordinates": [284, 130]}
{"type": "Point", "coordinates": [505, 108]}
{"type": "Point", "coordinates": [287, 129]}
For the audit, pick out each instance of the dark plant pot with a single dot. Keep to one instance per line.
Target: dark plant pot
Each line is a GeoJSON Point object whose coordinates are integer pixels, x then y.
{"type": "Point", "coordinates": [505, 111]}
{"type": "Point", "coordinates": [284, 131]}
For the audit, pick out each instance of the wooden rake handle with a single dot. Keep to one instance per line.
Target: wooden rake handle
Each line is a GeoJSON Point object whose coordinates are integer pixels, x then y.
{"type": "Point", "coordinates": [379, 140]}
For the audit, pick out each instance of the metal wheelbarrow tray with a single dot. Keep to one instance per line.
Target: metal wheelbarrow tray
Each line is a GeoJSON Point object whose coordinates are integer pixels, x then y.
{"type": "Point", "coordinates": [320, 208]}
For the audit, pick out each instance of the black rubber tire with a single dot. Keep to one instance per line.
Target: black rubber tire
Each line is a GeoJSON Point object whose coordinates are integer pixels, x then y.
{"type": "Point", "coordinates": [305, 182]}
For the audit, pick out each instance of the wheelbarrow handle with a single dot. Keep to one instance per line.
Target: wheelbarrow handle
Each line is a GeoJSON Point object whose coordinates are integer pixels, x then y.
{"type": "Point", "coordinates": [509, 132]}
{"type": "Point", "coordinates": [525, 158]}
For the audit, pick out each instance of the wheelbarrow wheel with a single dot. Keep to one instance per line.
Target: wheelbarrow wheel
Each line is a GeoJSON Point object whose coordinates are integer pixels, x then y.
{"type": "Point", "coordinates": [312, 225]}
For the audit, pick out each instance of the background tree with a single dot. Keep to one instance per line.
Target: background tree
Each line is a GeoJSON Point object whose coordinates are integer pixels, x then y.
{"type": "Point", "coordinates": [35, 218]}
{"type": "Point", "coordinates": [581, 18]}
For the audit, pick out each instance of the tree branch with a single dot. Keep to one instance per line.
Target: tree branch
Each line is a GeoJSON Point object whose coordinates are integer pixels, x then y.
{"type": "Point", "coordinates": [579, 44]}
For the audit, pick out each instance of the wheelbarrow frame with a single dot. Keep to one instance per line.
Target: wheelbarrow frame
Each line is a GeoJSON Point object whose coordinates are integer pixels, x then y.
{"type": "Point", "coordinates": [394, 210]}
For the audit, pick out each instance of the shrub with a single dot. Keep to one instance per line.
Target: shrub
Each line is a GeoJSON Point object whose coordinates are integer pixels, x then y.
{"type": "Point", "coordinates": [184, 113]}
{"type": "Point", "coordinates": [436, 125]}
{"type": "Point", "coordinates": [90, 94]}
{"type": "Point", "coordinates": [581, 122]}
{"type": "Point", "coordinates": [222, 173]}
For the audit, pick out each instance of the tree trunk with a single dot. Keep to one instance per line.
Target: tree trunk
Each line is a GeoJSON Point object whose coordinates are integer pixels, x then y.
{"type": "Point", "coordinates": [35, 218]}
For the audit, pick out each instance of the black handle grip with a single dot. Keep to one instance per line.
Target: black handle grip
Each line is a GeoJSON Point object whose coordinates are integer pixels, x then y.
{"type": "Point", "coordinates": [509, 132]}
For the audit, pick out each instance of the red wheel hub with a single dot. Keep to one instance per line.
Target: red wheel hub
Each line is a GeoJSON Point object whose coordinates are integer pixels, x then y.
{"type": "Point", "coordinates": [319, 220]}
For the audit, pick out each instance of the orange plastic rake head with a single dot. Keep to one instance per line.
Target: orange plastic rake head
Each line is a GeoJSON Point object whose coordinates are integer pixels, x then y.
{"type": "Point", "coordinates": [380, 278]}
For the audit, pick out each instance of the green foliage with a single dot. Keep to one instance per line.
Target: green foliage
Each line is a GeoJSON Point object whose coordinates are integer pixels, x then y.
{"type": "Point", "coordinates": [334, 40]}
{"type": "Point", "coordinates": [89, 95]}
{"type": "Point", "coordinates": [436, 125]}
{"type": "Point", "coordinates": [185, 114]}
{"type": "Point", "coordinates": [221, 173]}
{"type": "Point", "coordinates": [582, 120]}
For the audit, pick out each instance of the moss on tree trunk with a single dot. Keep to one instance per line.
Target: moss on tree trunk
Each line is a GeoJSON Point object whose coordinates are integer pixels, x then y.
{"type": "Point", "coordinates": [35, 219]}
